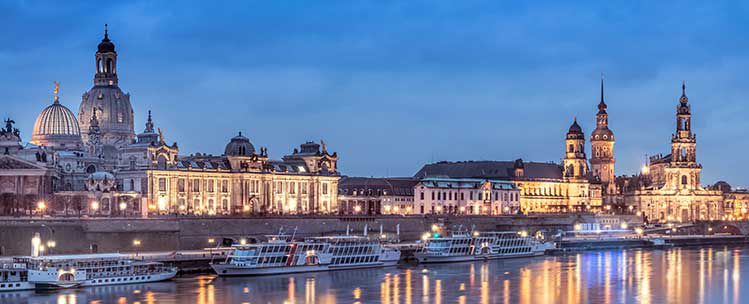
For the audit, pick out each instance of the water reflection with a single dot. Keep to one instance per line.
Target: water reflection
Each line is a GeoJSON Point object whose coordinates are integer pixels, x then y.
{"type": "Point", "coordinates": [701, 275]}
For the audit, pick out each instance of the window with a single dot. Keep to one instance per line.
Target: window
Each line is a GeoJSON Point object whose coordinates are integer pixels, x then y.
{"type": "Point", "coordinates": [422, 195]}
{"type": "Point", "coordinates": [209, 185]}
{"type": "Point", "coordinates": [683, 179]}
{"type": "Point", "coordinates": [181, 185]}
{"type": "Point", "coordinates": [225, 186]}
{"type": "Point", "coordinates": [196, 185]}
{"type": "Point", "coordinates": [279, 187]}
{"type": "Point", "coordinates": [303, 187]}
{"type": "Point", "coordinates": [162, 184]}
{"type": "Point", "coordinates": [571, 148]}
{"type": "Point", "coordinates": [432, 195]}
{"type": "Point", "coordinates": [325, 188]}
{"type": "Point", "coordinates": [292, 188]}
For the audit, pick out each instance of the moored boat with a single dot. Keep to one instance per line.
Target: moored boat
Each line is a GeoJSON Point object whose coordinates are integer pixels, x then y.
{"type": "Point", "coordinates": [464, 246]}
{"type": "Point", "coordinates": [281, 255]}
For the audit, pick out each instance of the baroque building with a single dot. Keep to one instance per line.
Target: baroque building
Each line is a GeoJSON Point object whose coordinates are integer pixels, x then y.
{"type": "Point", "coordinates": [669, 187]}
{"type": "Point", "coordinates": [94, 164]}
{"type": "Point", "coordinates": [602, 158]}
{"type": "Point", "coordinates": [373, 196]}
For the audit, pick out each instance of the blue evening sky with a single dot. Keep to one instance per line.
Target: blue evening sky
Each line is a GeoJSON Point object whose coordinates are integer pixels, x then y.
{"type": "Point", "coordinates": [392, 85]}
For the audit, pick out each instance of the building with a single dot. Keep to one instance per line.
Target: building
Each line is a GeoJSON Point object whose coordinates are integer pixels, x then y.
{"type": "Point", "coordinates": [466, 196]}
{"type": "Point", "coordinates": [372, 196]}
{"type": "Point", "coordinates": [94, 164]}
{"type": "Point", "coordinates": [602, 160]}
{"type": "Point", "coordinates": [669, 187]}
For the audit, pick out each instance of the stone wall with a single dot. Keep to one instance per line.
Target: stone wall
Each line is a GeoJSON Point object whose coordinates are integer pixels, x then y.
{"type": "Point", "coordinates": [113, 235]}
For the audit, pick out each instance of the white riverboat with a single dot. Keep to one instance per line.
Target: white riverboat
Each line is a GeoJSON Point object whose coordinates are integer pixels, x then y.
{"type": "Point", "coordinates": [82, 270]}
{"type": "Point", "coordinates": [281, 255]}
{"type": "Point", "coordinates": [14, 277]}
{"type": "Point", "coordinates": [464, 246]}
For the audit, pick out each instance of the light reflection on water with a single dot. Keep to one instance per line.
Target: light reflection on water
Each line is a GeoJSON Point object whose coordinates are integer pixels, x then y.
{"type": "Point", "coordinates": [679, 275]}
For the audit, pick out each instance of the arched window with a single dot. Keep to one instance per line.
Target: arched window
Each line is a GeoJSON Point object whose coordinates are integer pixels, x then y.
{"type": "Point", "coordinates": [109, 65]}
{"type": "Point", "coordinates": [571, 148]}
{"type": "Point", "coordinates": [683, 179]}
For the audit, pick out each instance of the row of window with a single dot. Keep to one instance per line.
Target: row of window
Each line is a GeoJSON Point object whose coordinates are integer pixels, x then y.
{"type": "Point", "coordinates": [479, 195]}
{"type": "Point", "coordinates": [355, 260]}
{"type": "Point", "coordinates": [254, 186]}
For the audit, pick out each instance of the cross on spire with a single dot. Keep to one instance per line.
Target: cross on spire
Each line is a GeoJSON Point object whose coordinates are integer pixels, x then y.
{"type": "Point", "coordinates": [56, 91]}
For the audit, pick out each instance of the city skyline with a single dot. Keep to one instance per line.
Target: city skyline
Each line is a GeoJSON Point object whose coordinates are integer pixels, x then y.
{"type": "Point", "coordinates": [294, 96]}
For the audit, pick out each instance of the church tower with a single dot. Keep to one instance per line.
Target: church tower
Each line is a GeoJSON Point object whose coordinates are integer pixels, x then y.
{"type": "Point", "coordinates": [684, 169]}
{"type": "Point", "coordinates": [575, 162]}
{"type": "Point", "coordinates": [602, 148]}
{"type": "Point", "coordinates": [113, 109]}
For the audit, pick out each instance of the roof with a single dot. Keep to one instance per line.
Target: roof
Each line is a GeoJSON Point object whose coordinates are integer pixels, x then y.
{"type": "Point", "coordinates": [465, 183]}
{"type": "Point", "coordinates": [400, 186]}
{"type": "Point", "coordinates": [489, 169]}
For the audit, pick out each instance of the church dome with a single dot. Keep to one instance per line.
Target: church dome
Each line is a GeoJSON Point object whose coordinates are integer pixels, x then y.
{"type": "Point", "coordinates": [56, 126]}
{"type": "Point", "coordinates": [239, 146]}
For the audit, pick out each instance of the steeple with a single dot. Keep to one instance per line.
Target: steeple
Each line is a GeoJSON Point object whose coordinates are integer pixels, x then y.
{"type": "Point", "coordinates": [106, 61]}
{"type": "Point", "coordinates": [602, 105]}
{"type": "Point", "coordinates": [149, 124]}
{"type": "Point", "coordinates": [683, 99]}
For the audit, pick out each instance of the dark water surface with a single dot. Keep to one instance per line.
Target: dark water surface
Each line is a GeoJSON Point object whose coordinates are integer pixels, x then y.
{"type": "Point", "coordinates": [679, 275]}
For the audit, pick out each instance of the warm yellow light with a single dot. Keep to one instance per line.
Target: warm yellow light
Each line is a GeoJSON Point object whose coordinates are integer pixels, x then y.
{"type": "Point", "coordinates": [357, 208]}
{"type": "Point", "coordinates": [624, 225]}
{"type": "Point", "coordinates": [36, 241]}
{"type": "Point", "coordinates": [41, 205]}
{"type": "Point", "coordinates": [41, 248]}
{"type": "Point", "coordinates": [425, 236]}
{"type": "Point", "coordinates": [123, 206]}
{"type": "Point", "coordinates": [136, 242]}
{"type": "Point", "coordinates": [211, 240]}
{"type": "Point", "coordinates": [476, 233]}
{"type": "Point", "coordinates": [639, 231]}
{"type": "Point", "coordinates": [439, 208]}
{"type": "Point", "coordinates": [645, 170]}
{"type": "Point", "coordinates": [435, 227]}
{"type": "Point", "coordinates": [578, 227]}
{"type": "Point", "coordinates": [94, 205]}
{"type": "Point", "coordinates": [523, 233]}
{"type": "Point", "coordinates": [162, 203]}
{"type": "Point", "coordinates": [246, 208]}
{"type": "Point", "coordinates": [243, 241]}
{"type": "Point", "coordinates": [51, 244]}
{"type": "Point", "coordinates": [462, 209]}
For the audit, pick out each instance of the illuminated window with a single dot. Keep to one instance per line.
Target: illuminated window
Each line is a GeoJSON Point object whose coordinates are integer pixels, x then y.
{"type": "Point", "coordinates": [196, 185]}
{"type": "Point", "coordinates": [162, 184]}
{"type": "Point", "coordinates": [324, 188]}
{"type": "Point", "coordinates": [181, 185]}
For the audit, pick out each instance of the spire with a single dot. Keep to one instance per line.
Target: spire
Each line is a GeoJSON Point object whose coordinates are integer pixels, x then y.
{"type": "Point", "coordinates": [94, 120]}
{"type": "Point", "coordinates": [683, 99]}
{"type": "Point", "coordinates": [106, 32]}
{"type": "Point", "coordinates": [56, 91]}
{"type": "Point", "coordinates": [149, 123]}
{"type": "Point", "coordinates": [602, 105]}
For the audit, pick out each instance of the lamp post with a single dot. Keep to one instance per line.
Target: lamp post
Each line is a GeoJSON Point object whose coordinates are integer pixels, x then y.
{"type": "Point", "coordinates": [123, 206]}
{"type": "Point", "coordinates": [94, 207]}
{"type": "Point", "coordinates": [51, 244]}
{"type": "Point", "coordinates": [136, 244]}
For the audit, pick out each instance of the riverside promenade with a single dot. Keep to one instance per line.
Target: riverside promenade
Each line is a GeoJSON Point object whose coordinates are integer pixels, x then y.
{"type": "Point", "coordinates": [81, 235]}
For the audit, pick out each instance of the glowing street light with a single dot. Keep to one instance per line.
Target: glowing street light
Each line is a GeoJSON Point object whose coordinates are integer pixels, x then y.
{"type": "Point", "coordinates": [624, 225]}
{"type": "Point", "coordinates": [41, 205]}
{"type": "Point", "coordinates": [136, 244]}
{"type": "Point", "coordinates": [211, 240]}
{"type": "Point", "coordinates": [639, 231]}
{"type": "Point", "coordinates": [246, 208]}
{"type": "Point", "coordinates": [94, 206]}
{"type": "Point", "coordinates": [123, 206]}
{"type": "Point", "coordinates": [578, 227]}
{"type": "Point", "coordinates": [357, 208]}
{"type": "Point", "coordinates": [243, 241]}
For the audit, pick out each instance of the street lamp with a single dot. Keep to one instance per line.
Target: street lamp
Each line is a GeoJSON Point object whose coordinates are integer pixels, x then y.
{"type": "Point", "coordinates": [211, 241]}
{"type": "Point", "coordinates": [94, 206]}
{"type": "Point", "coordinates": [136, 244]}
{"type": "Point", "coordinates": [51, 244]}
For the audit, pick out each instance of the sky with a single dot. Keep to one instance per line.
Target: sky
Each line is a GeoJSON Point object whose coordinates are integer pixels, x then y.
{"type": "Point", "coordinates": [394, 85]}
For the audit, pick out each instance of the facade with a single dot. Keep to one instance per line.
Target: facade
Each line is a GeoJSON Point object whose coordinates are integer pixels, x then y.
{"type": "Point", "coordinates": [94, 164]}
{"type": "Point", "coordinates": [669, 188]}
{"type": "Point", "coordinates": [372, 196]}
{"type": "Point", "coordinates": [542, 187]}
{"type": "Point", "coordinates": [466, 196]}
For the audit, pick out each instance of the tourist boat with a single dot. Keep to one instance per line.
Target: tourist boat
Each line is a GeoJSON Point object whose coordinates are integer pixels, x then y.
{"type": "Point", "coordinates": [464, 246]}
{"type": "Point", "coordinates": [68, 271]}
{"type": "Point", "coordinates": [281, 255]}
{"type": "Point", "coordinates": [14, 277]}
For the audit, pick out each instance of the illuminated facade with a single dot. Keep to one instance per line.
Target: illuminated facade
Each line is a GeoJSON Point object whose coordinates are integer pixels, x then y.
{"type": "Point", "coordinates": [465, 196]}
{"type": "Point", "coordinates": [95, 164]}
{"type": "Point", "coordinates": [372, 196]}
{"type": "Point", "coordinates": [669, 187]}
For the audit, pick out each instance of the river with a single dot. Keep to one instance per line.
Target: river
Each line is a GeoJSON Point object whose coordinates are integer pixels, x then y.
{"type": "Point", "coordinates": [677, 275]}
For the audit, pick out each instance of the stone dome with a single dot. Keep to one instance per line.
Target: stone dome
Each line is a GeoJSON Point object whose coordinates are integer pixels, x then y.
{"type": "Point", "coordinates": [575, 131]}
{"type": "Point", "coordinates": [113, 111]}
{"type": "Point", "coordinates": [106, 46]}
{"type": "Point", "coordinates": [239, 146]}
{"type": "Point", "coordinates": [57, 127]}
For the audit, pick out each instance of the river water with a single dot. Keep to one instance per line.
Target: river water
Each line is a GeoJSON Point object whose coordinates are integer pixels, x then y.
{"type": "Point", "coordinates": [677, 275]}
